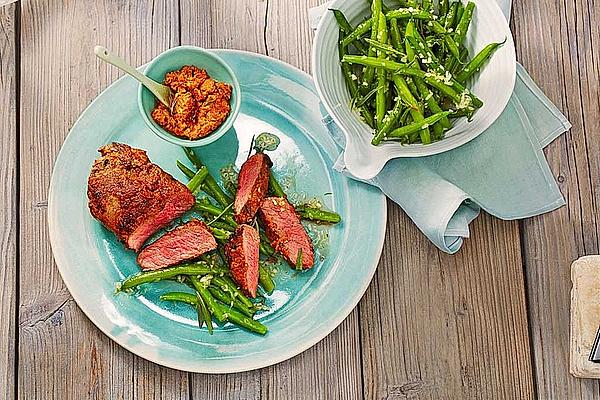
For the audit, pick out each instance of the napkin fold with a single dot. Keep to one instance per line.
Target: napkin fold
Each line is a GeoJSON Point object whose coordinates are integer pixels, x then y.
{"type": "Point", "coordinates": [503, 171]}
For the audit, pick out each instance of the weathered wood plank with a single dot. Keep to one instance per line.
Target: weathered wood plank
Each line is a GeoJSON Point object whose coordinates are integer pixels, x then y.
{"type": "Point", "coordinates": [62, 355]}
{"type": "Point", "coordinates": [558, 44]}
{"type": "Point", "coordinates": [8, 199]}
{"type": "Point", "coordinates": [331, 369]}
{"type": "Point", "coordinates": [447, 327]}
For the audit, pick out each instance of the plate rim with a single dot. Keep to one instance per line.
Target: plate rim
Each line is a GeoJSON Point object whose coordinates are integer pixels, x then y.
{"type": "Point", "coordinates": [238, 366]}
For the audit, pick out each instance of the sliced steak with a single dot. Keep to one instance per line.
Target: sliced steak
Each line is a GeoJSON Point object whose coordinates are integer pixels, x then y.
{"type": "Point", "coordinates": [253, 184]}
{"type": "Point", "coordinates": [132, 196]}
{"type": "Point", "coordinates": [242, 253]}
{"type": "Point", "coordinates": [186, 242]}
{"type": "Point", "coordinates": [285, 231]}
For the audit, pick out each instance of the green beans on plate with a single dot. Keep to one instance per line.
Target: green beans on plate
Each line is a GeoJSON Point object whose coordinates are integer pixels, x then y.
{"type": "Point", "coordinates": [408, 69]}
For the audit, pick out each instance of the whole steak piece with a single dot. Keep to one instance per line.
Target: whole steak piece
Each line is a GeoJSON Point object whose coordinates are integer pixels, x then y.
{"type": "Point", "coordinates": [253, 184]}
{"type": "Point", "coordinates": [133, 197]}
{"type": "Point", "coordinates": [186, 242]}
{"type": "Point", "coordinates": [242, 254]}
{"type": "Point", "coordinates": [285, 231]}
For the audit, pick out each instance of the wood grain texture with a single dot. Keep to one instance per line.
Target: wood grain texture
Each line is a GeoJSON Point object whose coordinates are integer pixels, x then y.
{"type": "Point", "coordinates": [62, 355]}
{"type": "Point", "coordinates": [331, 368]}
{"type": "Point", "coordinates": [431, 326]}
{"type": "Point", "coordinates": [558, 42]}
{"type": "Point", "coordinates": [447, 327]}
{"type": "Point", "coordinates": [8, 199]}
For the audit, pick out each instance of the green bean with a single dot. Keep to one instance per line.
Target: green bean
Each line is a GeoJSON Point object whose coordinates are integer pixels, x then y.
{"type": "Point", "coordinates": [245, 322]}
{"type": "Point", "coordinates": [222, 225]}
{"type": "Point", "coordinates": [198, 268]}
{"type": "Point", "coordinates": [182, 297]}
{"type": "Point", "coordinates": [358, 32]}
{"type": "Point", "coordinates": [318, 214]}
{"type": "Point", "coordinates": [369, 72]}
{"type": "Point", "coordinates": [275, 187]}
{"type": "Point", "coordinates": [228, 315]}
{"type": "Point", "coordinates": [205, 206]}
{"type": "Point", "coordinates": [434, 108]}
{"type": "Point", "coordinates": [220, 295]}
{"type": "Point", "coordinates": [395, 33]}
{"type": "Point", "coordinates": [450, 16]}
{"type": "Point", "coordinates": [386, 48]}
{"type": "Point", "coordinates": [265, 245]}
{"type": "Point", "coordinates": [380, 101]}
{"type": "Point", "coordinates": [401, 13]}
{"type": "Point", "coordinates": [389, 120]}
{"type": "Point", "coordinates": [438, 128]}
{"type": "Point", "coordinates": [210, 301]}
{"type": "Point", "coordinates": [418, 46]}
{"type": "Point", "coordinates": [430, 78]}
{"type": "Point", "coordinates": [346, 29]}
{"type": "Point", "coordinates": [221, 234]}
{"type": "Point", "coordinates": [406, 13]}
{"type": "Point", "coordinates": [412, 86]}
{"type": "Point", "coordinates": [211, 187]}
{"type": "Point", "coordinates": [265, 280]}
{"type": "Point", "coordinates": [463, 25]}
{"type": "Point", "coordinates": [186, 171]}
{"type": "Point", "coordinates": [204, 315]}
{"type": "Point", "coordinates": [443, 4]}
{"type": "Point", "coordinates": [354, 93]}
{"type": "Point", "coordinates": [415, 111]}
{"type": "Point", "coordinates": [416, 126]}
{"type": "Point", "coordinates": [476, 63]}
{"type": "Point", "coordinates": [460, 9]}
{"type": "Point", "coordinates": [196, 181]}
{"type": "Point", "coordinates": [228, 285]}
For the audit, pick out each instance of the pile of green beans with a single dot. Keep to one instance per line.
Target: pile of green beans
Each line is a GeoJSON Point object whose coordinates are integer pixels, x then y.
{"type": "Point", "coordinates": [407, 69]}
{"type": "Point", "coordinates": [216, 294]}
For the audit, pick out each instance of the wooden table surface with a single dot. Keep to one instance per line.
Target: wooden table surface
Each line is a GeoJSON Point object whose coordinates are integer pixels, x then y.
{"type": "Point", "coordinates": [488, 323]}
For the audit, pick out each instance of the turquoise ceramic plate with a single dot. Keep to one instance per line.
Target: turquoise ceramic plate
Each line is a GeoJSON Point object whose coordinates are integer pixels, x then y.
{"type": "Point", "coordinates": [305, 307]}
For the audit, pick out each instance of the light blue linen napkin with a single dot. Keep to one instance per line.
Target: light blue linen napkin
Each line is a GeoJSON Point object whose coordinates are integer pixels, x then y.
{"type": "Point", "coordinates": [503, 171]}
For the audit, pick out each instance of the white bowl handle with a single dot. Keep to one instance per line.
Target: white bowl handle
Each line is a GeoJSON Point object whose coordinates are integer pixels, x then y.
{"type": "Point", "coordinates": [362, 159]}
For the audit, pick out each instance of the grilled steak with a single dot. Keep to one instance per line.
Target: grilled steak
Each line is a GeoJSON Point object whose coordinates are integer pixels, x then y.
{"type": "Point", "coordinates": [285, 231]}
{"type": "Point", "coordinates": [253, 183]}
{"type": "Point", "coordinates": [186, 242]}
{"type": "Point", "coordinates": [242, 254]}
{"type": "Point", "coordinates": [133, 197]}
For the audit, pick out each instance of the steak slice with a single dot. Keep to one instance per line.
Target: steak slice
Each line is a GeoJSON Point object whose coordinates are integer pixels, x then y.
{"type": "Point", "coordinates": [242, 253]}
{"type": "Point", "coordinates": [285, 231]}
{"type": "Point", "coordinates": [133, 197]}
{"type": "Point", "coordinates": [253, 184]}
{"type": "Point", "coordinates": [186, 242]}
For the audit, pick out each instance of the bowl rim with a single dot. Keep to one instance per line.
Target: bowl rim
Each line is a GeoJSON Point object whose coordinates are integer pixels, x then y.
{"type": "Point", "coordinates": [222, 129]}
{"type": "Point", "coordinates": [391, 151]}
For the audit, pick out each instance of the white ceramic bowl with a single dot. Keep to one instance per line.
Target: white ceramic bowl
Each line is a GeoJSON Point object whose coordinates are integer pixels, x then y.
{"type": "Point", "coordinates": [494, 85]}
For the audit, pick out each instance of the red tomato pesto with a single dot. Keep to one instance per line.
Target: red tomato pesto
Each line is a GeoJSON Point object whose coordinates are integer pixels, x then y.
{"type": "Point", "coordinates": [200, 104]}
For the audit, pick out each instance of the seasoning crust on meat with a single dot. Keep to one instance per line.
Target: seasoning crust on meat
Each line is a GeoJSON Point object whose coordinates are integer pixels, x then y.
{"type": "Point", "coordinates": [242, 252]}
{"type": "Point", "coordinates": [133, 197]}
{"type": "Point", "coordinates": [285, 231]}
{"type": "Point", "coordinates": [253, 184]}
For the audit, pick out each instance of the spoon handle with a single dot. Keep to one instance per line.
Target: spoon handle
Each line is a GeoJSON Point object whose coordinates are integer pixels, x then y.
{"type": "Point", "coordinates": [161, 92]}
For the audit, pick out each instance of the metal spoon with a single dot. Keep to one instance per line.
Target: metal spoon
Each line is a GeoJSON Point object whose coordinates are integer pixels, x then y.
{"type": "Point", "coordinates": [163, 93]}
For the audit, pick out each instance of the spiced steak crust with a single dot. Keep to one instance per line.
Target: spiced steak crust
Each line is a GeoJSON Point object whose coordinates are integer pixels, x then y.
{"type": "Point", "coordinates": [285, 231]}
{"type": "Point", "coordinates": [253, 184]}
{"type": "Point", "coordinates": [133, 197]}
{"type": "Point", "coordinates": [242, 253]}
